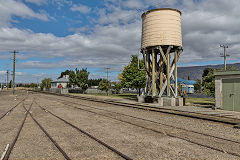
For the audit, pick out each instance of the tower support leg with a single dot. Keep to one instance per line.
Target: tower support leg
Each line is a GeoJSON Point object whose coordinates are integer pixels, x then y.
{"type": "Point", "coordinates": [154, 85]}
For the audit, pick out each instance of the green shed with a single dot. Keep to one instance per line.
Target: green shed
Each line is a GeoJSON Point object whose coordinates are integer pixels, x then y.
{"type": "Point", "coordinates": [227, 90]}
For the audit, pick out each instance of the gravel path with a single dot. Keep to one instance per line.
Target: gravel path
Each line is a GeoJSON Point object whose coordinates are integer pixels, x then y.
{"type": "Point", "coordinates": [134, 140]}
{"type": "Point", "coordinates": [112, 128]}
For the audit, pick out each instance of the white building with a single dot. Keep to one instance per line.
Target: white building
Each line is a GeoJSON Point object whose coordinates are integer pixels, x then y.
{"type": "Point", "coordinates": [60, 82]}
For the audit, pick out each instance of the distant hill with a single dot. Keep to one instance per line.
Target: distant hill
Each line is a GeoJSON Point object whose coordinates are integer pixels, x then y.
{"type": "Point", "coordinates": [195, 72]}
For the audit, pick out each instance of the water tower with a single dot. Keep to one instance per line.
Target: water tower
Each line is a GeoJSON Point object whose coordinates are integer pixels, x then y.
{"type": "Point", "coordinates": [161, 47]}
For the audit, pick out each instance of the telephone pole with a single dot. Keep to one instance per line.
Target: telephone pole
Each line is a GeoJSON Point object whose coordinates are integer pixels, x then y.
{"type": "Point", "coordinates": [13, 75]}
{"type": "Point", "coordinates": [225, 55]}
{"type": "Point", "coordinates": [7, 80]}
{"type": "Point", "coordinates": [107, 71]}
{"type": "Point", "coordinates": [107, 78]}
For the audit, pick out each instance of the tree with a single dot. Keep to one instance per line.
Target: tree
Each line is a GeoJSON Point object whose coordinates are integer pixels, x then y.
{"type": "Point", "coordinates": [117, 86]}
{"type": "Point", "coordinates": [94, 82]}
{"type": "Point", "coordinates": [33, 85]}
{"type": "Point", "coordinates": [46, 83]}
{"type": "Point", "coordinates": [208, 81]}
{"type": "Point", "coordinates": [79, 78]}
{"type": "Point", "coordinates": [67, 72]}
{"type": "Point", "coordinates": [120, 77]}
{"type": "Point", "coordinates": [132, 77]}
{"type": "Point", "coordinates": [197, 85]}
{"type": "Point", "coordinates": [105, 85]}
{"type": "Point", "coordinates": [10, 84]}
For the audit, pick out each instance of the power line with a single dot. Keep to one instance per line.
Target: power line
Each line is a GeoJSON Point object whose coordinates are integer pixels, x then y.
{"type": "Point", "coordinates": [225, 55]}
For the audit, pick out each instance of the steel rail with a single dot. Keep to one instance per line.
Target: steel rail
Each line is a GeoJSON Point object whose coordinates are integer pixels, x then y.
{"type": "Point", "coordinates": [195, 115]}
{"type": "Point", "coordinates": [205, 134]}
{"type": "Point", "coordinates": [11, 109]}
{"type": "Point", "coordinates": [163, 133]}
{"type": "Point", "coordinates": [229, 140]}
{"type": "Point", "coordinates": [18, 133]}
{"type": "Point", "coordinates": [47, 134]}
{"type": "Point", "coordinates": [87, 134]}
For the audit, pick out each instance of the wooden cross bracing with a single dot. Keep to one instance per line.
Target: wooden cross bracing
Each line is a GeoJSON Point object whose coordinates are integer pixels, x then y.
{"type": "Point", "coordinates": [160, 72]}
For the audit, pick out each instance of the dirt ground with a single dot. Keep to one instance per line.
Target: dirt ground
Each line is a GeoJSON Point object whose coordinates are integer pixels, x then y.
{"type": "Point", "coordinates": [104, 123]}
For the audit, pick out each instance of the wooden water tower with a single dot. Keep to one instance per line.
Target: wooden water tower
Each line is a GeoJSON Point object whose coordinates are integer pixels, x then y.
{"type": "Point", "coordinates": [161, 47]}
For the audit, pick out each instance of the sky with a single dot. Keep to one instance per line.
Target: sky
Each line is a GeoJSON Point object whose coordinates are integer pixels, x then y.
{"type": "Point", "coordinates": [54, 35]}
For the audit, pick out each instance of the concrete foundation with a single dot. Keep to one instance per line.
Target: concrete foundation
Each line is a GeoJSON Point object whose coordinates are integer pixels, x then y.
{"type": "Point", "coordinates": [141, 98]}
{"type": "Point", "coordinates": [166, 101]}
{"type": "Point", "coordinates": [162, 101]}
{"type": "Point", "coordinates": [180, 101]}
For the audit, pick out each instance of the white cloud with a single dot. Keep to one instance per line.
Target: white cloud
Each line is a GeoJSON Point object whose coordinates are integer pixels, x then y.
{"type": "Point", "coordinates": [206, 25]}
{"type": "Point", "coordinates": [81, 8]}
{"type": "Point", "coordinates": [135, 4]}
{"type": "Point", "coordinates": [3, 73]}
{"type": "Point", "coordinates": [97, 49]}
{"type": "Point", "coordinates": [11, 8]}
{"type": "Point", "coordinates": [117, 34]}
{"type": "Point", "coordinates": [38, 2]}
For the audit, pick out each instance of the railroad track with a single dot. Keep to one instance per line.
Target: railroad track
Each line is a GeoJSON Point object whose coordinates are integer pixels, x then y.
{"type": "Point", "coordinates": [9, 151]}
{"type": "Point", "coordinates": [11, 109]}
{"type": "Point", "coordinates": [48, 135]}
{"type": "Point", "coordinates": [6, 157]}
{"type": "Point", "coordinates": [196, 115]}
{"type": "Point", "coordinates": [214, 139]}
{"type": "Point", "coordinates": [86, 133]}
{"type": "Point", "coordinates": [11, 147]}
{"type": "Point", "coordinates": [174, 127]}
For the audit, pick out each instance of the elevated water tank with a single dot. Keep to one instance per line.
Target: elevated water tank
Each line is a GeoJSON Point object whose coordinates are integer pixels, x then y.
{"type": "Point", "coordinates": [161, 27]}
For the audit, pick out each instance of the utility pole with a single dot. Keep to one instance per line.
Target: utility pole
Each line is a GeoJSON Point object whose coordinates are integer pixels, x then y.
{"type": "Point", "coordinates": [13, 75]}
{"type": "Point", "coordinates": [225, 55]}
{"type": "Point", "coordinates": [7, 80]}
{"type": "Point", "coordinates": [107, 78]}
{"type": "Point", "coordinates": [107, 71]}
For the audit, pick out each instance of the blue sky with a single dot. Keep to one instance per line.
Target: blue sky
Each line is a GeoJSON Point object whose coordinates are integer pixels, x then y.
{"type": "Point", "coordinates": [54, 35]}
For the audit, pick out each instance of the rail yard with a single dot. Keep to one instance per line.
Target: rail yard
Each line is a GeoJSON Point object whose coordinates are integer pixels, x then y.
{"type": "Point", "coordinates": [43, 126]}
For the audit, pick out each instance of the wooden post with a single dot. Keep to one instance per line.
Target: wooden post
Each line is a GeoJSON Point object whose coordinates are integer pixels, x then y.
{"type": "Point", "coordinates": [168, 74]}
{"type": "Point", "coordinates": [13, 76]}
{"type": "Point", "coordinates": [161, 72]}
{"type": "Point", "coordinates": [154, 87]}
{"type": "Point", "coordinates": [175, 63]}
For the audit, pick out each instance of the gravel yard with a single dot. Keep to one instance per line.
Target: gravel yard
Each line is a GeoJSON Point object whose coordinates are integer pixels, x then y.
{"type": "Point", "coordinates": [137, 134]}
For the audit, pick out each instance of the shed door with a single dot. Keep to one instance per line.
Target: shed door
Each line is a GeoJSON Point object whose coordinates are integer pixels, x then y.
{"type": "Point", "coordinates": [231, 94]}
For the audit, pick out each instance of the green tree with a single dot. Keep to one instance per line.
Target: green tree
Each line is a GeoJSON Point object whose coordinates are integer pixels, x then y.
{"type": "Point", "coordinates": [79, 78]}
{"type": "Point", "coordinates": [132, 77]}
{"type": "Point", "coordinates": [117, 86]}
{"type": "Point", "coordinates": [197, 85]}
{"type": "Point", "coordinates": [208, 81]}
{"type": "Point", "coordinates": [46, 83]}
{"type": "Point", "coordinates": [10, 84]}
{"type": "Point", "coordinates": [94, 82]}
{"type": "Point", "coordinates": [67, 72]}
{"type": "Point", "coordinates": [105, 85]}
{"type": "Point", "coordinates": [33, 85]}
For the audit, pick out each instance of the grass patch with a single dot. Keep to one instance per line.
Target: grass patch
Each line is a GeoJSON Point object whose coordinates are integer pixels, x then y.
{"type": "Point", "coordinates": [200, 100]}
{"type": "Point", "coordinates": [130, 96]}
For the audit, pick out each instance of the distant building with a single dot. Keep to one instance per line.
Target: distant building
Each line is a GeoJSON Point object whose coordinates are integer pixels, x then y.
{"type": "Point", "coordinates": [60, 83]}
{"type": "Point", "coordinates": [187, 85]}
